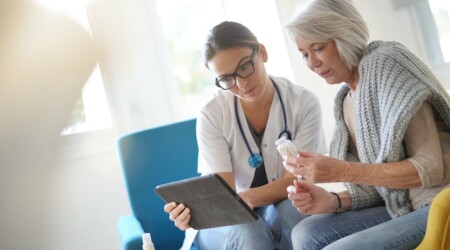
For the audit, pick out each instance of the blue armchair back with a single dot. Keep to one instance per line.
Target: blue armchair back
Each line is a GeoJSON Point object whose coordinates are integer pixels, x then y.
{"type": "Point", "coordinates": [149, 158]}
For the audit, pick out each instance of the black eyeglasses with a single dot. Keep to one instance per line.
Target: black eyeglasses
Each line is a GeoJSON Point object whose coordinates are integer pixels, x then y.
{"type": "Point", "coordinates": [243, 71]}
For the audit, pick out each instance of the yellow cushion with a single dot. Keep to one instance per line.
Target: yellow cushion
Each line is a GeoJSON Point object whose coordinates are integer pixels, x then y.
{"type": "Point", "coordinates": [437, 235]}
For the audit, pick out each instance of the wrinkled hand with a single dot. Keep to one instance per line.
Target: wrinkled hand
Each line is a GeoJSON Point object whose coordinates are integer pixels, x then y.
{"type": "Point", "coordinates": [310, 199]}
{"type": "Point", "coordinates": [178, 213]}
{"type": "Point", "coordinates": [314, 167]}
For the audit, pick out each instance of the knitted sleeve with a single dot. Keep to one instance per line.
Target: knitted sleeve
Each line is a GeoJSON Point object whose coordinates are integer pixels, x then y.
{"type": "Point", "coordinates": [363, 196]}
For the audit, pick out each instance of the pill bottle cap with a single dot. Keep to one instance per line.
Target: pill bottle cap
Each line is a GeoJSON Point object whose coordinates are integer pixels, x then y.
{"type": "Point", "coordinates": [147, 239]}
{"type": "Point", "coordinates": [280, 141]}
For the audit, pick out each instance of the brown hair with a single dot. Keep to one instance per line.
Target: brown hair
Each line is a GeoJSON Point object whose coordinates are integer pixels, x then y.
{"type": "Point", "coordinates": [227, 35]}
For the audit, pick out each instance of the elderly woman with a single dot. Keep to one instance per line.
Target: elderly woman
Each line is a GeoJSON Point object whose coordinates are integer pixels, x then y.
{"type": "Point", "coordinates": [391, 142]}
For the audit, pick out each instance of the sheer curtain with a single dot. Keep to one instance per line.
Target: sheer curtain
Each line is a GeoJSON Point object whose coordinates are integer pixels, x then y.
{"type": "Point", "coordinates": [134, 63]}
{"type": "Point", "coordinates": [86, 184]}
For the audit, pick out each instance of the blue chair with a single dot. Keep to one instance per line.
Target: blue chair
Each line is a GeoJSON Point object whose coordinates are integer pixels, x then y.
{"type": "Point", "coordinates": [149, 158]}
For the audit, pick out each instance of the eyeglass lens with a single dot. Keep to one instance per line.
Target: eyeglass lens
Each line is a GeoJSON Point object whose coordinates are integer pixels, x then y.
{"type": "Point", "coordinates": [244, 71]}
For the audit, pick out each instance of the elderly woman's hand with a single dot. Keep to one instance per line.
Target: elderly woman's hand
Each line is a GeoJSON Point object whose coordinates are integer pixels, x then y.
{"type": "Point", "coordinates": [310, 199]}
{"type": "Point", "coordinates": [178, 213]}
{"type": "Point", "coordinates": [315, 168]}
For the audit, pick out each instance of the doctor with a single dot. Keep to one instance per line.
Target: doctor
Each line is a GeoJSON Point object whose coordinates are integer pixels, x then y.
{"type": "Point", "coordinates": [236, 134]}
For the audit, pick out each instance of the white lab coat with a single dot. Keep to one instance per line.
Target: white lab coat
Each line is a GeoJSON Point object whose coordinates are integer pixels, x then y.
{"type": "Point", "coordinates": [222, 147]}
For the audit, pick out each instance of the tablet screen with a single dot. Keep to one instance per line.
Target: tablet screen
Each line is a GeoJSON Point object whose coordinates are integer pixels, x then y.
{"type": "Point", "coordinates": [212, 202]}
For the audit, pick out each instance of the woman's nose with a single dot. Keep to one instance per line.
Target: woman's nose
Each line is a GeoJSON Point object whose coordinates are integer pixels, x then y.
{"type": "Point", "coordinates": [313, 62]}
{"type": "Point", "coordinates": [241, 82]}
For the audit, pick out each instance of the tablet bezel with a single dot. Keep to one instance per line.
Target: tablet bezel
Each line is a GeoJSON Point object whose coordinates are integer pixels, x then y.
{"type": "Point", "coordinates": [213, 203]}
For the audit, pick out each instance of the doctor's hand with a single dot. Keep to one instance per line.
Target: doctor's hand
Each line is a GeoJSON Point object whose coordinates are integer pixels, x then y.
{"type": "Point", "coordinates": [315, 168]}
{"type": "Point", "coordinates": [178, 213]}
{"type": "Point", "coordinates": [247, 197]}
{"type": "Point", "coordinates": [310, 199]}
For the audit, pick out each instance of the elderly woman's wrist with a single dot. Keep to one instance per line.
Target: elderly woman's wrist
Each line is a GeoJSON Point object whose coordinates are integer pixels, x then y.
{"type": "Point", "coordinates": [348, 172]}
{"type": "Point", "coordinates": [338, 201]}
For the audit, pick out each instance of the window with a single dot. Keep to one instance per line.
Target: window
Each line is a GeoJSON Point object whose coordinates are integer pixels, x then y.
{"type": "Point", "coordinates": [91, 111]}
{"type": "Point", "coordinates": [430, 28]}
{"type": "Point", "coordinates": [440, 11]}
{"type": "Point", "coordinates": [186, 24]}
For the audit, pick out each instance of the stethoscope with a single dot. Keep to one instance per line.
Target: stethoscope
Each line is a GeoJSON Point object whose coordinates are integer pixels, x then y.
{"type": "Point", "coordinates": [255, 160]}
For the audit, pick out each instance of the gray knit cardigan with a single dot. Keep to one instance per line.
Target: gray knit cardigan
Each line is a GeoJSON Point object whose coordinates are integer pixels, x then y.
{"type": "Point", "coordinates": [393, 85]}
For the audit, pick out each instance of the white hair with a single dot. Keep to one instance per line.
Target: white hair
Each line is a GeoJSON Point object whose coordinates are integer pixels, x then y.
{"type": "Point", "coordinates": [338, 20]}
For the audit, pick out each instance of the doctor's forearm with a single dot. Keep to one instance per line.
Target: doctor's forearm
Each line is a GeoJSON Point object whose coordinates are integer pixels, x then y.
{"type": "Point", "coordinates": [270, 193]}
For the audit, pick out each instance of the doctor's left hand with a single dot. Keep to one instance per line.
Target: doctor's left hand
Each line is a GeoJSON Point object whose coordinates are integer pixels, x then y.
{"type": "Point", "coordinates": [315, 168]}
{"type": "Point", "coordinates": [178, 213]}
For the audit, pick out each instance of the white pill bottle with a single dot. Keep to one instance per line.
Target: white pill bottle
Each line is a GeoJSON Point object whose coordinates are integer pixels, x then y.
{"type": "Point", "coordinates": [286, 147]}
{"type": "Point", "coordinates": [147, 243]}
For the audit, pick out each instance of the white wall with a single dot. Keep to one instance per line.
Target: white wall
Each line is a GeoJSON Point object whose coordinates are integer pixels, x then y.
{"type": "Point", "coordinates": [87, 195]}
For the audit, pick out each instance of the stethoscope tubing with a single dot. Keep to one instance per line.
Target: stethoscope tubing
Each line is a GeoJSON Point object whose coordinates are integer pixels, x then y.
{"type": "Point", "coordinates": [284, 131]}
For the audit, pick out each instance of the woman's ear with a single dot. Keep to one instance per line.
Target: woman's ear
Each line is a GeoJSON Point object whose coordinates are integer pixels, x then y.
{"type": "Point", "coordinates": [263, 52]}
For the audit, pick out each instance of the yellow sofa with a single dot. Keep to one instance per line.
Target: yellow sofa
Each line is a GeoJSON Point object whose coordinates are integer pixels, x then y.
{"type": "Point", "coordinates": [437, 235]}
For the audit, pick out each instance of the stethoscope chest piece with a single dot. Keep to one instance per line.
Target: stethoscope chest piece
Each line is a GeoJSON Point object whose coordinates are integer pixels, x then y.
{"type": "Point", "coordinates": [255, 160]}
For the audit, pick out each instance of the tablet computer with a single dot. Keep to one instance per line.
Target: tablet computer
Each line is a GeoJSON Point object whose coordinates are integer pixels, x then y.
{"type": "Point", "coordinates": [212, 202]}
